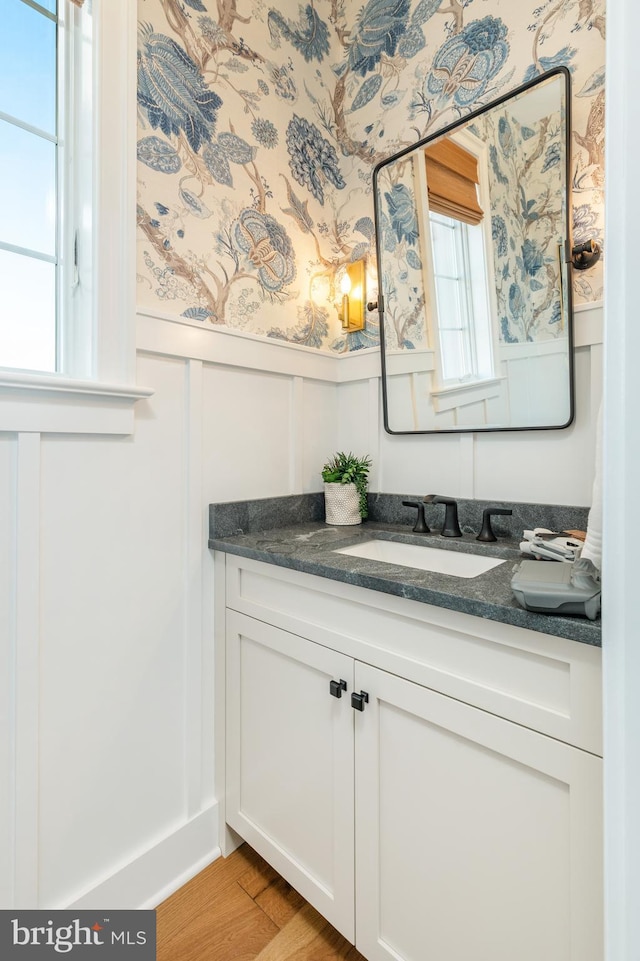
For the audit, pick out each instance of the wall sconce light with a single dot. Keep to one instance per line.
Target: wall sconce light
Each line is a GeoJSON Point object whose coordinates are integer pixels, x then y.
{"type": "Point", "coordinates": [585, 255]}
{"type": "Point", "coordinates": [352, 288]}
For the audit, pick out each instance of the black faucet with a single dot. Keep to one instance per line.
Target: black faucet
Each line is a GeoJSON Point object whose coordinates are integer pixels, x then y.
{"type": "Point", "coordinates": [421, 526]}
{"type": "Point", "coordinates": [451, 526]}
{"type": "Point", "coordinates": [486, 534]}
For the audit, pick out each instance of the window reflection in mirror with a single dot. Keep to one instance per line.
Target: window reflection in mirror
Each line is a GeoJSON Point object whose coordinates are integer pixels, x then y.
{"type": "Point", "coordinates": [472, 233]}
{"type": "Point", "coordinates": [462, 314]}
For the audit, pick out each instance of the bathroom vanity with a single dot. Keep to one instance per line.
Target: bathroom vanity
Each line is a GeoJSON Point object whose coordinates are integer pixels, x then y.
{"type": "Point", "coordinates": [413, 754]}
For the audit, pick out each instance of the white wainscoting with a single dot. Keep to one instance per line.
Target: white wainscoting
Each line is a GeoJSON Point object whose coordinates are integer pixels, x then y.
{"type": "Point", "coordinates": [108, 744]}
{"type": "Point", "coordinates": [106, 618]}
{"type": "Point", "coordinates": [8, 451]}
{"type": "Point", "coordinates": [269, 409]}
{"type": "Point", "coordinates": [547, 466]}
{"type": "Point", "coordinates": [107, 793]}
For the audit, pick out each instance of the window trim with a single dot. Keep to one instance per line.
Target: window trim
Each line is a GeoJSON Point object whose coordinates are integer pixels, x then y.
{"type": "Point", "coordinates": [472, 392]}
{"type": "Point", "coordinates": [63, 403]}
{"type": "Point", "coordinates": [477, 149]}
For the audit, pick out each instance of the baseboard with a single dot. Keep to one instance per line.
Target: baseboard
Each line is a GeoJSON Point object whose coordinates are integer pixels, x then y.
{"type": "Point", "coordinates": [159, 871]}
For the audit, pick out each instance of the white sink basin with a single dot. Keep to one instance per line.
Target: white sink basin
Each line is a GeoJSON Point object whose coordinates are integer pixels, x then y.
{"type": "Point", "coordinates": [425, 558]}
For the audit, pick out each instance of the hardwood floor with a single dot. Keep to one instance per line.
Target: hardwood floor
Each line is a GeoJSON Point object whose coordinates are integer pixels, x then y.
{"type": "Point", "coordinates": [240, 909]}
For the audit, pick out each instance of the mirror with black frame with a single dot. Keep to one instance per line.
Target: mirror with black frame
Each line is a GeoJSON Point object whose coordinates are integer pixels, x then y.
{"type": "Point", "coordinates": [472, 233]}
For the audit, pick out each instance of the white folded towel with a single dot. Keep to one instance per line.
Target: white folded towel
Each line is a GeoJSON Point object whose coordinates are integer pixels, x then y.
{"type": "Point", "coordinates": [546, 545]}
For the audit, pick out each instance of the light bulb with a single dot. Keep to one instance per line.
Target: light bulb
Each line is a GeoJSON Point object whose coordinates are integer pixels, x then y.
{"type": "Point", "coordinates": [345, 283]}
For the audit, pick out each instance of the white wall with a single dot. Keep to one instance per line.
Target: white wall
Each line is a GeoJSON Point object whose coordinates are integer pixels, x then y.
{"type": "Point", "coordinates": [7, 653]}
{"type": "Point", "coordinates": [107, 664]}
{"type": "Point", "coordinates": [554, 467]}
{"type": "Point", "coordinates": [621, 479]}
{"type": "Point", "coordinates": [106, 651]}
{"type": "Point", "coordinates": [112, 643]}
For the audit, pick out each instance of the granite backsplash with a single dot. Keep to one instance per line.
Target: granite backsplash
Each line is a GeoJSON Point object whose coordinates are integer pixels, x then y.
{"type": "Point", "coordinates": [246, 517]}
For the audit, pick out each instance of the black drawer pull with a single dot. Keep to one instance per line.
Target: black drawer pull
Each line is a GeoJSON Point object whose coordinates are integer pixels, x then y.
{"type": "Point", "coordinates": [337, 687]}
{"type": "Point", "coordinates": [358, 701]}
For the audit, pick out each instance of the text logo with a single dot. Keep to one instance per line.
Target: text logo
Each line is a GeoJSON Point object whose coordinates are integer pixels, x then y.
{"type": "Point", "coordinates": [79, 935]}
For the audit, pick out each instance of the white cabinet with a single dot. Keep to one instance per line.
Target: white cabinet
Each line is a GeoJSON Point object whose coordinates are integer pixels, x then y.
{"type": "Point", "coordinates": [463, 834]}
{"type": "Point", "coordinates": [290, 761]}
{"type": "Point", "coordinates": [475, 837]}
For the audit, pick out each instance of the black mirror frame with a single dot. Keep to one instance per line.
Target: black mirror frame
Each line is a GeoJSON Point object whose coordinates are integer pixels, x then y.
{"type": "Point", "coordinates": [556, 71]}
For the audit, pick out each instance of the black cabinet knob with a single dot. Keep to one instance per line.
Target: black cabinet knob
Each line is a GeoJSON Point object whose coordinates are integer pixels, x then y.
{"type": "Point", "coordinates": [358, 701]}
{"type": "Point", "coordinates": [337, 687]}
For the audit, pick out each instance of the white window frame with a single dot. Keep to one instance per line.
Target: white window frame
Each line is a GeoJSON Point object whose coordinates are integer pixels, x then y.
{"type": "Point", "coordinates": [448, 394]}
{"type": "Point", "coordinates": [99, 398]}
{"type": "Point", "coordinates": [479, 150]}
{"type": "Point", "coordinates": [469, 305]}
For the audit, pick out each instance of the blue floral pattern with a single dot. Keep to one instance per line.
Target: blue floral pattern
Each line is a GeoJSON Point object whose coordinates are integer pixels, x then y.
{"type": "Point", "coordinates": [267, 247]}
{"type": "Point", "coordinates": [527, 211]}
{"type": "Point", "coordinates": [401, 275]}
{"type": "Point", "coordinates": [402, 213]}
{"type": "Point", "coordinates": [379, 27]}
{"type": "Point", "coordinates": [466, 64]}
{"type": "Point", "coordinates": [172, 90]}
{"type": "Point", "coordinates": [259, 126]}
{"type": "Point", "coordinates": [159, 155]}
{"type": "Point", "coordinates": [311, 329]}
{"type": "Point", "coordinates": [526, 207]}
{"type": "Point", "coordinates": [499, 235]}
{"type": "Point", "coordinates": [265, 132]}
{"type": "Point", "coordinates": [312, 159]}
{"type": "Point", "coordinates": [310, 37]}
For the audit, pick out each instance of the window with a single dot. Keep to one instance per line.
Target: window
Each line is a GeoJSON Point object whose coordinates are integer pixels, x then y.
{"type": "Point", "coordinates": [67, 215]}
{"type": "Point", "coordinates": [463, 318]}
{"type": "Point", "coordinates": [45, 183]}
{"type": "Point", "coordinates": [459, 251]}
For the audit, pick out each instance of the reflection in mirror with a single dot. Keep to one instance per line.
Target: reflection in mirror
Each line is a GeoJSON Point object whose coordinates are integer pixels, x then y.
{"type": "Point", "coordinates": [472, 235]}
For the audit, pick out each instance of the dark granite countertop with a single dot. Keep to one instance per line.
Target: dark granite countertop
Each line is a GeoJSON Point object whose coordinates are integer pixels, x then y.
{"type": "Point", "coordinates": [291, 533]}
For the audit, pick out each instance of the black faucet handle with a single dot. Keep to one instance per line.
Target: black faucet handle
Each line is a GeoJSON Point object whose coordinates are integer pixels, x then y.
{"type": "Point", "coordinates": [486, 534]}
{"type": "Point", "coordinates": [451, 526]}
{"type": "Point", "coordinates": [421, 526]}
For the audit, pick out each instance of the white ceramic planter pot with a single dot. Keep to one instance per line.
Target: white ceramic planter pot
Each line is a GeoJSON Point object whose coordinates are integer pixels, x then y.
{"type": "Point", "coordinates": [341, 502]}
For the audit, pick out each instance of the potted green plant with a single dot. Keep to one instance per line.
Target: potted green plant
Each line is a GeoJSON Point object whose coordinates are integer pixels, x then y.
{"type": "Point", "coordinates": [345, 479]}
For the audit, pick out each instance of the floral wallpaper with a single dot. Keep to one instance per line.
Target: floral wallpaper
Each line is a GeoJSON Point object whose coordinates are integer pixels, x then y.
{"type": "Point", "coordinates": [401, 272]}
{"type": "Point", "coordinates": [259, 130]}
{"type": "Point", "coordinates": [527, 223]}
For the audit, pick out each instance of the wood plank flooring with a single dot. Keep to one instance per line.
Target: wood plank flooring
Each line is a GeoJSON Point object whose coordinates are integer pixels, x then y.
{"type": "Point", "coordinates": [240, 909]}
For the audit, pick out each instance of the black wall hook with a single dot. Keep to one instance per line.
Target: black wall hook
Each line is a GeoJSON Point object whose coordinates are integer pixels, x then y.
{"type": "Point", "coordinates": [585, 255]}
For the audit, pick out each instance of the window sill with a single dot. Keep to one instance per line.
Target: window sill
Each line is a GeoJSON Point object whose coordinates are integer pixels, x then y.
{"type": "Point", "coordinates": [52, 404]}
{"type": "Point", "coordinates": [459, 395]}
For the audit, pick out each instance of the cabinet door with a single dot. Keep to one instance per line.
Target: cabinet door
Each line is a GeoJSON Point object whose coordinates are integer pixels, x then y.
{"type": "Point", "coordinates": [476, 839]}
{"type": "Point", "coordinates": [290, 761]}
